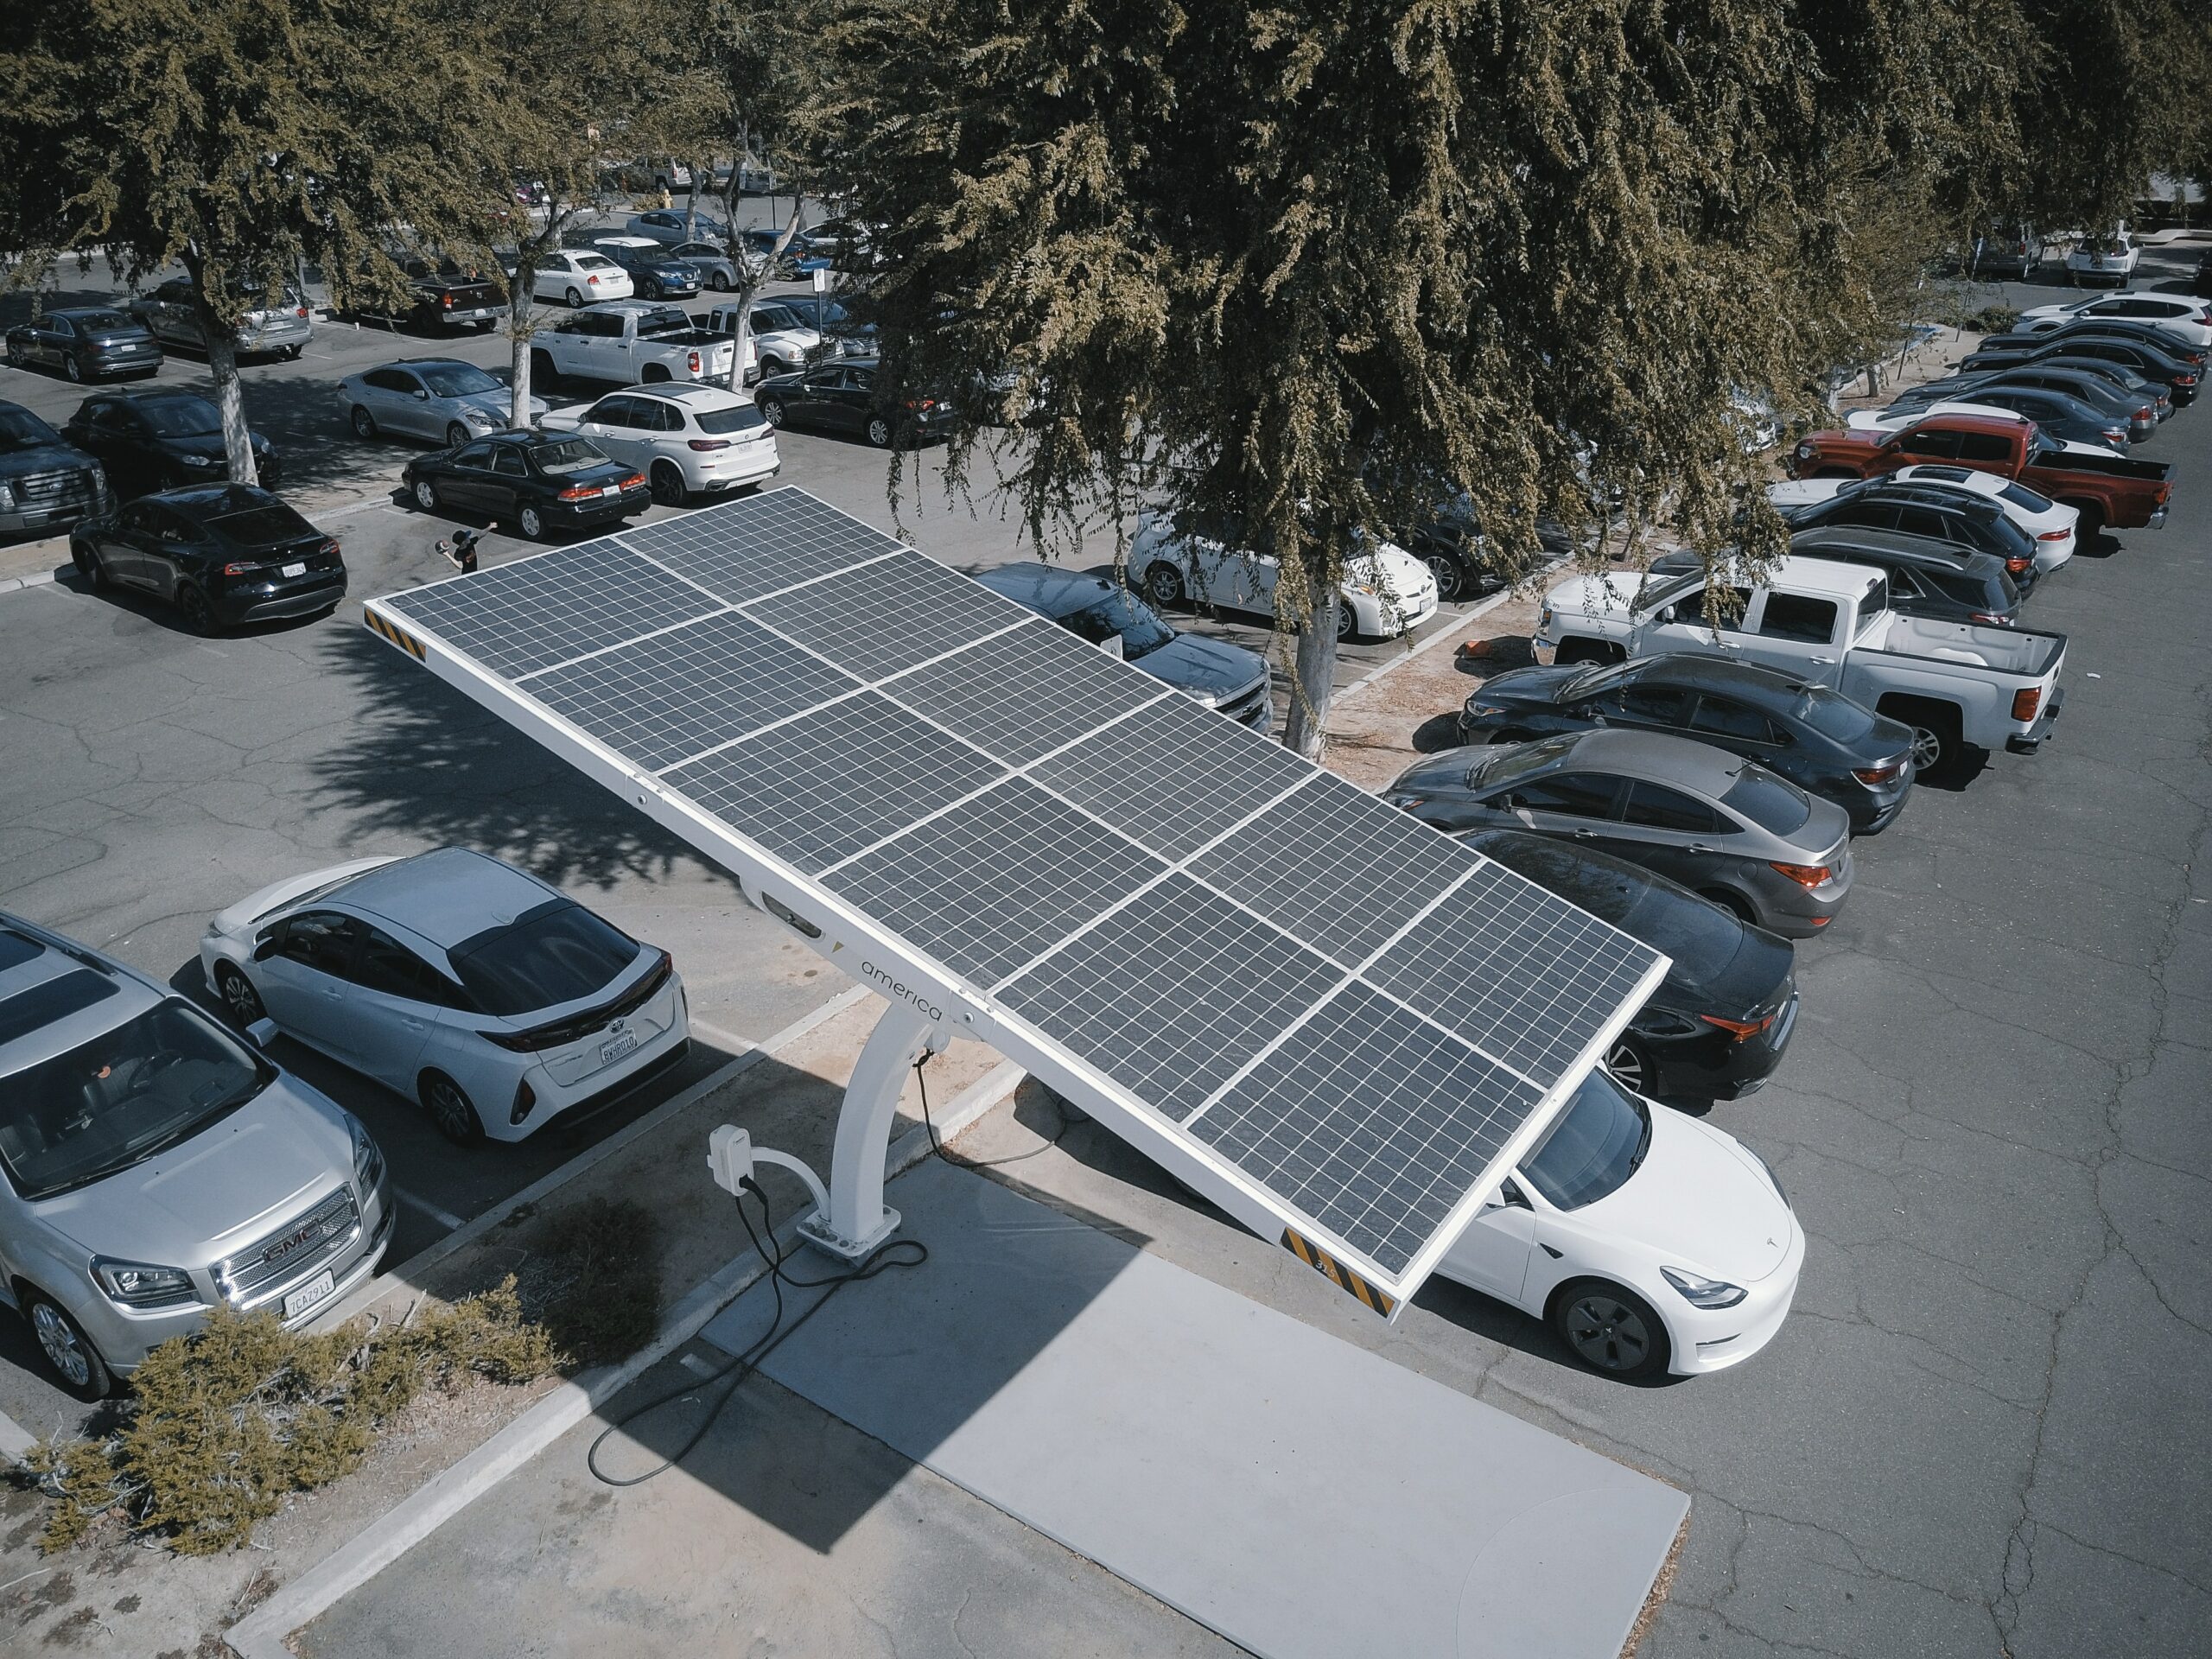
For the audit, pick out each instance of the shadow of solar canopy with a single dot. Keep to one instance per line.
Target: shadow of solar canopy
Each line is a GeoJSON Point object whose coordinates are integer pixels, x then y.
{"type": "Point", "coordinates": [1336, 1023]}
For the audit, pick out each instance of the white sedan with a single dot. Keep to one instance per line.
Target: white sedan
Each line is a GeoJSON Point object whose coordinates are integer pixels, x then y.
{"type": "Point", "coordinates": [2052, 525]}
{"type": "Point", "coordinates": [455, 980]}
{"type": "Point", "coordinates": [1651, 1242]}
{"type": "Point", "coordinates": [2107, 258]}
{"type": "Point", "coordinates": [577, 277]}
{"type": "Point", "coordinates": [686, 440]}
{"type": "Point", "coordinates": [1385, 592]}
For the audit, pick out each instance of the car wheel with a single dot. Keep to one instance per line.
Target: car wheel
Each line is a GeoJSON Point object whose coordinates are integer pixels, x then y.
{"type": "Point", "coordinates": [1631, 1066]}
{"type": "Point", "coordinates": [772, 410]}
{"type": "Point", "coordinates": [1586, 650]}
{"type": "Point", "coordinates": [717, 281]}
{"type": "Point", "coordinates": [71, 367]}
{"type": "Point", "coordinates": [878, 431]}
{"type": "Point", "coordinates": [69, 1352]}
{"type": "Point", "coordinates": [14, 358]}
{"type": "Point", "coordinates": [1347, 621]}
{"type": "Point", "coordinates": [668, 484]}
{"type": "Point", "coordinates": [240, 1000]}
{"type": "Point", "coordinates": [1450, 581]}
{"type": "Point", "coordinates": [426, 495]}
{"type": "Point", "coordinates": [531, 523]}
{"type": "Point", "coordinates": [451, 1110]}
{"type": "Point", "coordinates": [575, 300]}
{"type": "Point", "coordinates": [364, 425]}
{"type": "Point", "coordinates": [199, 615]}
{"type": "Point", "coordinates": [1611, 1330]}
{"type": "Point", "coordinates": [89, 566]}
{"type": "Point", "coordinates": [456, 435]}
{"type": "Point", "coordinates": [1733, 902]}
{"type": "Point", "coordinates": [1163, 584]}
{"type": "Point", "coordinates": [775, 365]}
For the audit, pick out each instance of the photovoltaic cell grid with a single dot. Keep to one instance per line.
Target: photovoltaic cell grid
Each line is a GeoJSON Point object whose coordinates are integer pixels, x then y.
{"type": "Point", "coordinates": [996, 881]}
{"type": "Point", "coordinates": [1365, 1122]}
{"type": "Point", "coordinates": [1373, 1122]}
{"type": "Point", "coordinates": [786, 538]}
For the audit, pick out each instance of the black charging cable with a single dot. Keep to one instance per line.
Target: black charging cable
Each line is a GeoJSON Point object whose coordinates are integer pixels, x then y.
{"type": "Point", "coordinates": [881, 1259]}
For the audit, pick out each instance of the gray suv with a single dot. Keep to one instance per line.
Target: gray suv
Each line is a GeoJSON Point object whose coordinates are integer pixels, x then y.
{"type": "Point", "coordinates": [1227, 678]}
{"type": "Point", "coordinates": [153, 1165]}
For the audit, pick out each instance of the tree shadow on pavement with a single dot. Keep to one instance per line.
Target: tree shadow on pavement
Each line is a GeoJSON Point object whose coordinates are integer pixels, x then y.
{"type": "Point", "coordinates": [429, 767]}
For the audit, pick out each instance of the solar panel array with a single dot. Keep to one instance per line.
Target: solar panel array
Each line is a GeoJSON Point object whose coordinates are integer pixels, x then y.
{"type": "Point", "coordinates": [1292, 979]}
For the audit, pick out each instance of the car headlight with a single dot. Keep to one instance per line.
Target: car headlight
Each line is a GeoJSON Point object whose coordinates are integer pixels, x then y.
{"type": "Point", "coordinates": [1543, 618]}
{"type": "Point", "coordinates": [1805, 450]}
{"type": "Point", "coordinates": [1485, 710]}
{"type": "Point", "coordinates": [368, 1157]}
{"type": "Point", "coordinates": [480, 416]}
{"type": "Point", "coordinates": [203, 460]}
{"type": "Point", "coordinates": [1703, 1293]}
{"type": "Point", "coordinates": [135, 1284]}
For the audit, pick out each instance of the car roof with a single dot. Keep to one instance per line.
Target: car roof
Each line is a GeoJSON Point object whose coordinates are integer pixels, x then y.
{"type": "Point", "coordinates": [1951, 477]}
{"type": "Point", "coordinates": [697, 397]}
{"type": "Point", "coordinates": [1832, 577]}
{"type": "Point", "coordinates": [447, 897]}
{"type": "Point", "coordinates": [1696, 670]}
{"type": "Point", "coordinates": [1892, 543]}
{"type": "Point", "coordinates": [55, 959]}
{"type": "Point", "coordinates": [225, 497]}
{"type": "Point", "coordinates": [1936, 493]}
{"type": "Point", "coordinates": [1047, 589]}
{"type": "Point", "coordinates": [624, 242]}
{"type": "Point", "coordinates": [147, 395]}
{"type": "Point", "coordinates": [1655, 756]}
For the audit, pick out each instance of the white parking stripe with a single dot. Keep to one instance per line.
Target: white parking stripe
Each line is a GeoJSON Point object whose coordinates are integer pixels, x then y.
{"type": "Point", "coordinates": [443, 1218]}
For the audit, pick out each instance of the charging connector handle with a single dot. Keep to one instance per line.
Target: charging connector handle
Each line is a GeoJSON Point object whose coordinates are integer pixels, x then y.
{"type": "Point", "coordinates": [732, 1158]}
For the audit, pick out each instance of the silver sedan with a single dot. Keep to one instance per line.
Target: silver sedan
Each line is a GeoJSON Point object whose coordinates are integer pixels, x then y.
{"type": "Point", "coordinates": [440, 398]}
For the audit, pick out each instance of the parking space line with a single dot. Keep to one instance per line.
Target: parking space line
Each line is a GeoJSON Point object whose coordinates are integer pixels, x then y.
{"type": "Point", "coordinates": [721, 1038]}
{"type": "Point", "coordinates": [444, 1217]}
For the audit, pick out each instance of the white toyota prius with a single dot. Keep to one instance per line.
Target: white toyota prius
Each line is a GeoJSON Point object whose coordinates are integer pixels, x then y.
{"type": "Point", "coordinates": [493, 999]}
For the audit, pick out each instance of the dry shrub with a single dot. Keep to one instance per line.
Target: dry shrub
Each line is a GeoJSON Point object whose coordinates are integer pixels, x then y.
{"type": "Point", "coordinates": [594, 1279]}
{"type": "Point", "coordinates": [1994, 319]}
{"type": "Point", "coordinates": [219, 1426]}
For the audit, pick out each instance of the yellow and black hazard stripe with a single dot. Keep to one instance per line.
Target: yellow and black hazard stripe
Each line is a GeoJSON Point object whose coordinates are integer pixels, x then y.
{"type": "Point", "coordinates": [1336, 1274]}
{"type": "Point", "coordinates": [395, 635]}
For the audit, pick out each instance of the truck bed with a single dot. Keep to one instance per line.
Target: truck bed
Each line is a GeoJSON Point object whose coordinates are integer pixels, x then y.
{"type": "Point", "coordinates": [2028, 653]}
{"type": "Point", "coordinates": [2148, 472]}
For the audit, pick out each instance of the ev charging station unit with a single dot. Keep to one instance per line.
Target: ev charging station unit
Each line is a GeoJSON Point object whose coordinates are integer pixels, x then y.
{"type": "Point", "coordinates": [1336, 1023]}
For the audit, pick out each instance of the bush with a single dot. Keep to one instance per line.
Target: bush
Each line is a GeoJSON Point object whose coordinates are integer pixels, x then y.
{"type": "Point", "coordinates": [594, 1279]}
{"type": "Point", "coordinates": [1993, 320]}
{"type": "Point", "coordinates": [221, 1426]}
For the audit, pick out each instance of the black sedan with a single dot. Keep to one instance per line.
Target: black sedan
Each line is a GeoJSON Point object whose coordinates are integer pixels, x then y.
{"type": "Point", "coordinates": [1971, 523]}
{"type": "Point", "coordinates": [161, 440]}
{"type": "Point", "coordinates": [1716, 1027]}
{"type": "Point", "coordinates": [222, 554]}
{"type": "Point", "coordinates": [2059, 414]}
{"type": "Point", "coordinates": [540, 482]}
{"type": "Point", "coordinates": [1817, 738]}
{"type": "Point", "coordinates": [86, 343]}
{"type": "Point", "coordinates": [838, 395]}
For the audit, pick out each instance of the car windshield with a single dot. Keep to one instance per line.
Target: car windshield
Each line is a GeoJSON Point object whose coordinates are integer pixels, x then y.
{"type": "Point", "coordinates": [1593, 681]}
{"type": "Point", "coordinates": [180, 418]}
{"type": "Point", "coordinates": [1121, 616]}
{"type": "Point", "coordinates": [21, 429]}
{"type": "Point", "coordinates": [1499, 766]}
{"type": "Point", "coordinates": [1831, 714]}
{"type": "Point", "coordinates": [593, 262]}
{"type": "Point", "coordinates": [553, 954]}
{"type": "Point", "coordinates": [116, 1101]}
{"type": "Point", "coordinates": [1773, 803]}
{"type": "Point", "coordinates": [662, 320]}
{"type": "Point", "coordinates": [265, 522]}
{"type": "Point", "coordinates": [566, 455]}
{"type": "Point", "coordinates": [1595, 1145]}
{"type": "Point", "coordinates": [2026, 500]}
{"type": "Point", "coordinates": [95, 322]}
{"type": "Point", "coordinates": [737, 417]}
{"type": "Point", "coordinates": [458, 380]}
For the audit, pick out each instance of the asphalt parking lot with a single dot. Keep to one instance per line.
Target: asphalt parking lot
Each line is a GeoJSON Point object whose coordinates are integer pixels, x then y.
{"type": "Point", "coordinates": [155, 778]}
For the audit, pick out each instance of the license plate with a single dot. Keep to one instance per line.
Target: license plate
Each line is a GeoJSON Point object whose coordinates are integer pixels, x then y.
{"type": "Point", "coordinates": [298, 1301]}
{"type": "Point", "coordinates": [615, 1047]}
{"type": "Point", "coordinates": [610, 489]}
{"type": "Point", "coordinates": [293, 570]}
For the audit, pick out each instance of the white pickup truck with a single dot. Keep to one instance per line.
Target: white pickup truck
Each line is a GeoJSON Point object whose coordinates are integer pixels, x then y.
{"type": "Point", "coordinates": [1959, 685]}
{"type": "Point", "coordinates": [631, 342]}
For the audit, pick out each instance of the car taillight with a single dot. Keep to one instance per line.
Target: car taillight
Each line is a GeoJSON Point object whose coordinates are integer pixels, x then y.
{"type": "Point", "coordinates": [239, 569]}
{"type": "Point", "coordinates": [1888, 772]}
{"type": "Point", "coordinates": [1742, 1030]}
{"type": "Point", "coordinates": [2019, 567]}
{"type": "Point", "coordinates": [447, 301]}
{"type": "Point", "coordinates": [302, 311]}
{"type": "Point", "coordinates": [1805, 875]}
{"type": "Point", "coordinates": [635, 482]}
{"type": "Point", "coordinates": [693, 361]}
{"type": "Point", "coordinates": [704, 444]}
{"type": "Point", "coordinates": [2054, 535]}
{"type": "Point", "coordinates": [921, 402]}
{"type": "Point", "coordinates": [2026, 700]}
{"type": "Point", "coordinates": [2117, 433]}
{"type": "Point", "coordinates": [2185, 379]}
{"type": "Point", "coordinates": [2146, 411]}
{"type": "Point", "coordinates": [594, 280]}
{"type": "Point", "coordinates": [1990, 619]}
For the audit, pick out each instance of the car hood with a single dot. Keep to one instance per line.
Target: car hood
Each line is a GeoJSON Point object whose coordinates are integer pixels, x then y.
{"type": "Point", "coordinates": [1700, 1202]}
{"type": "Point", "coordinates": [1206, 668]}
{"type": "Point", "coordinates": [1528, 685]}
{"type": "Point", "coordinates": [226, 1186]}
{"type": "Point", "coordinates": [236, 920]}
{"type": "Point", "coordinates": [1403, 576]}
{"type": "Point", "coordinates": [1594, 596]}
{"type": "Point", "coordinates": [42, 458]}
{"type": "Point", "coordinates": [497, 404]}
{"type": "Point", "coordinates": [208, 445]}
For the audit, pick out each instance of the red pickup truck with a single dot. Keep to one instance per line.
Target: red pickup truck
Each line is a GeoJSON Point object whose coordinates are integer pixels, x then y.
{"type": "Point", "coordinates": [2108, 490]}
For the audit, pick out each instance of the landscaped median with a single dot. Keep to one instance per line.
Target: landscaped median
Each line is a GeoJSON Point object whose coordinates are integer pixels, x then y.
{"type": "Point", "coordinates": [249, 1458]}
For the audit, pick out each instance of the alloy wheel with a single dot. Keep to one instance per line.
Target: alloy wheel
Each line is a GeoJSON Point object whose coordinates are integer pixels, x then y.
{"type": "Point", "coordinates": [772, 410]}
{"type": "Point", "coordinates": [1163, 585]}
{"type": "Point", "coordinates": [71, 367]}
{"type": "Point", "coordinates": [879, 432]}
{"type": "Point", "coordinates": [668, 485]}
{"type": "Point", "coordinates": [456, 435]}
{"type": "Point", "coordinates": [1628, 1069]}
{"type": "Point", "coordinates": [1607, 1332]}
{"type": "Point", "coordinates": [453, 1114]}
{"type": "Point", "coordinates": [240, 998]}
{"type": "Point", "coordinates": [364, 425]}
{"type": "Point", "coordinates": [199, 615]}
{"type": "Point", "coordinates": [1927, 750]}
{"type": "Point", "coordinates": [63, 1348]}
{"type": "Point", "coordinates": [426, 495]}
{"type": "Point", "coordinates": [1446, 572]}
{"type": "Point", "coordinates": [533, 523]}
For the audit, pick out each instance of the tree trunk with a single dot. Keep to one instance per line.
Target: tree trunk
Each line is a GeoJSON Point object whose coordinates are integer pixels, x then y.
{"type": "Point", "coordinates": [230, 397]}
{"type": "Point", "coordinates": [749, 284]}
{"type": "Point", "coordinates": [520, 329]}
{"type": "Point", "coordinates": [1313, 674]}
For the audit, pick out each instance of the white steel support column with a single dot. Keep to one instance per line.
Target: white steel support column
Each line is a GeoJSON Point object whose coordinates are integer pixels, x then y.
{"type": "Point", "coordinates": [857, 1220]}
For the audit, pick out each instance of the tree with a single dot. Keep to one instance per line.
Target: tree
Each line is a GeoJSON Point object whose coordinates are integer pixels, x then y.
{"type": "Point", "coordinates": [243, 139]}
{"type": "Point", "coordinates": [1313, 267]}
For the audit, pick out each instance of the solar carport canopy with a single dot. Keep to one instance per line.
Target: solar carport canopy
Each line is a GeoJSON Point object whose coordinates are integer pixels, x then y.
{"type": "Point", "coordinates": [1339, 1023]}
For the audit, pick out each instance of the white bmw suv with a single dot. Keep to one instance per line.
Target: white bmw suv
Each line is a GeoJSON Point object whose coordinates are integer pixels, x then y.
{"type": "Point", "coordinates": [462, 982]}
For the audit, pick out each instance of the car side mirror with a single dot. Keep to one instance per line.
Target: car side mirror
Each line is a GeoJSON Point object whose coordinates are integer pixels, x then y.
{"type": "Point", "coordinates": [1511, 1197]}
{"type": "Point", "coordinates": [262, 1032]}
{"type": "Point", "coordinates": [423, 394]}
{"type": "Point", "coordinates": [1663, 615]}
{"type": "Point", "coordinates": [267, 946]}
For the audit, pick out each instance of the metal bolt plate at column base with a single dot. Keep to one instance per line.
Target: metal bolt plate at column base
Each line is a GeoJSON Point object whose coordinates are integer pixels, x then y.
{"type": "Point", "coordinates": [817, 1231]}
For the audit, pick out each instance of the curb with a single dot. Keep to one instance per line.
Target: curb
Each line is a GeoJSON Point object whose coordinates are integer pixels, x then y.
{"type": "Point", "coordinates": [37, 579]}
{"type": "Point", "coordinates": [262, 1634]}
{"type": "Point", "coordinates": [1437, 638]}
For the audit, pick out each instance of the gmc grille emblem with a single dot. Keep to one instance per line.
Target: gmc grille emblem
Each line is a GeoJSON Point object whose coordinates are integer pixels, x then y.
{"type": "Point", "coordinates": [284, 1247]}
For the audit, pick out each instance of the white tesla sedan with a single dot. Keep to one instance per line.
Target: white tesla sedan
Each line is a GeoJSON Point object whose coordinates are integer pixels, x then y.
{"type": "Point", "coordinates": [456, 980]}
{"type": "Point", "coordinates": [1385, 591]}
{"type": "Point", "coordinates": [1649, 1241]}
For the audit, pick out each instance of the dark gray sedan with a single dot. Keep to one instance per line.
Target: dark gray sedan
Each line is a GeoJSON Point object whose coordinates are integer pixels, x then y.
{"type": "Point", "coordinates": [1717, 823]}
{"type": "Point", "coordinates": [84, 343]}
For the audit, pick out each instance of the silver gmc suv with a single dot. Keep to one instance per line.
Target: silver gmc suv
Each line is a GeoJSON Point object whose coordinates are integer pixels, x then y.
{"type": "Point", "coordinates": [155, 1165]}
